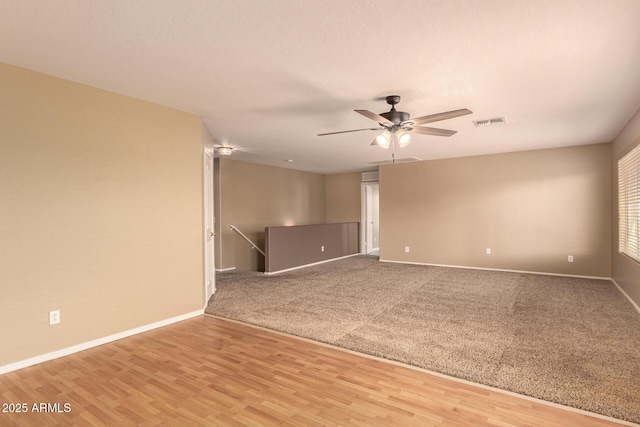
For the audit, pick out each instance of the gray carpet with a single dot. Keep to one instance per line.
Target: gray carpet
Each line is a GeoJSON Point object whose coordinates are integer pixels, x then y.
{"type": "Point", "coordinates": [566, 340]}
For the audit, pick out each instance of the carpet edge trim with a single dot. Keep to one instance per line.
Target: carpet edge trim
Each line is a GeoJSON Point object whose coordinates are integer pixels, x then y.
{"type": "Point", "coordinates": [437, 374]}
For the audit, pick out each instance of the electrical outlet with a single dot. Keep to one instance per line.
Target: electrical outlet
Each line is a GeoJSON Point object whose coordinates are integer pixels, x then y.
{"type": "Point", "coordinates": [570, 258]}
{"type": "Point", "coordinates": [406, 249]}
{"type": "Point", "coordinates": [321, 248]}
{"type": "Point", "coordinates": [54, 317]}
{"type": "Point", "coordinates": [487, 251]}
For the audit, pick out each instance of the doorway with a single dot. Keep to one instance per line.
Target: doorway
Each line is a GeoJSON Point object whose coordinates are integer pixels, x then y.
{"type": "Point", "coordinates": [370, 218]}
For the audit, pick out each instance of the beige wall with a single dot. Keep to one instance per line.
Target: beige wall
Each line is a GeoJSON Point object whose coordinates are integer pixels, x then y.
{"type": "Point", "coordinates": [299, 245]}
{"type": "Point", "coordinates": [343, 197]}
{"type": "Point", "coordinates": [253, 197]}
{"type": "Point", "coordinates": [626, 272]}
{"type": "Point", "coordinates": [100, 213]}
{"type": "Point", "coordinates": [532, 209]}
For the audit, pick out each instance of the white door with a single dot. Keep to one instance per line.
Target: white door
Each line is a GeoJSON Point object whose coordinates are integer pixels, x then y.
{"type": "Point", "coordinates": [209, 268]}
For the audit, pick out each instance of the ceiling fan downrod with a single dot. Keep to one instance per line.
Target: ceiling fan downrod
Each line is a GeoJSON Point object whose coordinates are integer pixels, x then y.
{"type": "Point", "coordinates": [394, 116]}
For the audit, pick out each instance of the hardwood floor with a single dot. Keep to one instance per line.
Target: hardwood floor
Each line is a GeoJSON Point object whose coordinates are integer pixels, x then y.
{"type": "Point", "coordinates": [213, 372]}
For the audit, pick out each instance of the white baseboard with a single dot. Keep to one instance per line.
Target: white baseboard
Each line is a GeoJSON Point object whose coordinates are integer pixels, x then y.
{"type": "Point", "coordinates": [498, 269]}
{"type": "Point", "coordinates": [309, 265]}
{"type": "Point", "coordinates": [94, 343]}
{"type": "Point", "coordinates": [220, 270]}
{"type": "Point", "coordinates": [633, 303]}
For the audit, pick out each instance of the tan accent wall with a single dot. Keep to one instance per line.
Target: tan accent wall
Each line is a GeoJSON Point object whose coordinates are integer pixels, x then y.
{"type": "Point", "coordinates": [532, 209]}
{"type": "Point", "coordinates": [343, 197]}
{"type": "Point", "coordinates": [100, 213]}
{"type": "Point", "coordinates": [296, 246]}
{"type": "Point", "coordinates": [626, 271]}
{"type": "Point", "coordinates": [253, 197]}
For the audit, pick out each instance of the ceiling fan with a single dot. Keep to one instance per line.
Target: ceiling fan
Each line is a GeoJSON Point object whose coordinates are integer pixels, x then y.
{"type": "Point", "coordinates": [397, 127]}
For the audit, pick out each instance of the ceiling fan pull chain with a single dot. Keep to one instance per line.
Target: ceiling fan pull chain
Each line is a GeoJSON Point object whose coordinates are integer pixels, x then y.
{"type": "Point", "coordinates": [393, 148]}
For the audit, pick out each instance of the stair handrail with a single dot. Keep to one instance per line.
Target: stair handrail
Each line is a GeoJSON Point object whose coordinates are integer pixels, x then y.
{"type": "Point", "coordinates": [253, 245]}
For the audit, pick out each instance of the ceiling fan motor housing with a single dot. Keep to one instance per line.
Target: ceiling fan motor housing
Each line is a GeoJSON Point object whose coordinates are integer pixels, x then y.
{"type": "Point", "coordinates": [395, 117]}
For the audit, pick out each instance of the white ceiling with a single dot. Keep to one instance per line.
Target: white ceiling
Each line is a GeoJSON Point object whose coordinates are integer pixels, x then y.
{"type": "Point", "coordinates": [267, 76]}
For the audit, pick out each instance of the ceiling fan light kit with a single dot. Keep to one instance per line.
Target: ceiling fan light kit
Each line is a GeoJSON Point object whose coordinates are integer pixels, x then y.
{"type": "Point", "coordinates": [403, 137]}
{"type": "Point", "coordinates": [397, 126]}
{"type": "Point", "coordinates": [384, 139]}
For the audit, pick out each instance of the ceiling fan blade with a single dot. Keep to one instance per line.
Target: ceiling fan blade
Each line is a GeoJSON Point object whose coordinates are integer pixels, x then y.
{"type": "Point", "coordinates": [347, 131]}
{"type": "Point", "coordinates": [373, 116]}
{"type": "Point", "coordinates": [440, 116]}
{"type": "Point", "coordinates": [433, 131]}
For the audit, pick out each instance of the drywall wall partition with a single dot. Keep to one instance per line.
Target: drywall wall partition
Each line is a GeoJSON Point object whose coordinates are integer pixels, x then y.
{"type": "Point", "coordinates": [531, 209]}
{"type": "Point", "coordinates": [253, 197]}
{"type": "Point", "coordinates": [295, 246]}
{"type": "Point", "coordinates": [342, 192]}
{"type": "Point", "coordinates": [101, 213]}
{"type": "Point", "coordinates": [625, 271]}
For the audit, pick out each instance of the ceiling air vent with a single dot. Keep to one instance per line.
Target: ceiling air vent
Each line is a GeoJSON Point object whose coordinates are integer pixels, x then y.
{"type": "Point", "coordinates": [403, 160]}
{"type": "Point", "coordinates": [489, 122]}
{"type": "Point", "coordinates": [370, 176]}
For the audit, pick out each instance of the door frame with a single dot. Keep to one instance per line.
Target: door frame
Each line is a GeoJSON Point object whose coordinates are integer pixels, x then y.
{"type": "Point", "coordinates": [366, 245]}
{"type": "Point", "coordinates": [208, 224]}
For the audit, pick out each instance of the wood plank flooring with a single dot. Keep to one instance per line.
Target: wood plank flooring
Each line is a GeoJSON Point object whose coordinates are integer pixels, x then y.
{"type": "Point", "coordinates": [213, 372]}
